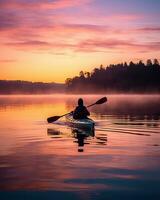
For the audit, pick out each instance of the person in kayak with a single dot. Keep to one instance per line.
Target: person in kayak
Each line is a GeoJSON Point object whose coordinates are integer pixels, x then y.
{"type": "Point", "coordinates": [81, 111]}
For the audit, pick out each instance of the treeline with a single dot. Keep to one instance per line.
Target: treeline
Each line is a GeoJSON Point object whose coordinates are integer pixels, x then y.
{"type": "Point", "coordinates": [27, 87]}
{"type": "Point", "coordinates": [119, 78]}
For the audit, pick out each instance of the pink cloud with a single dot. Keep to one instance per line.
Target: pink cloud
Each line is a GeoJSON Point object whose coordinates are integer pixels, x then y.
{"type": "Point", "coordinates": [9, 20]}
{"type": "Point", "coordinates": [43, 30]}
{"type": "Point", "coordinates": [40, 45]}
{"type": "Point", "coordinates": [117, 44]}
{"type": "Point", "coordinates": [56, 4]}
{"type": "Point", "coordinates": [150, 29]}
{"type": "Point", "coordinates": [94, 45]}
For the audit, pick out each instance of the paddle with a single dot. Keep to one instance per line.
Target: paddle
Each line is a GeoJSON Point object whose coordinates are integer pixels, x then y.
{"type": "Point", "coordinates": [100, 101]}
{"type": "Point", "coordinates": [55, 118]}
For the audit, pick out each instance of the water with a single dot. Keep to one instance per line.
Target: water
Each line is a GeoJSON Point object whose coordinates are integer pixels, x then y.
{"type": "Point", "coordinates": [43, 161]}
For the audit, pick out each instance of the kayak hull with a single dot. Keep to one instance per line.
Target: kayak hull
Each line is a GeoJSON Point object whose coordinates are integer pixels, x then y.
{"type": "Point", "coordinates": [80, 123]}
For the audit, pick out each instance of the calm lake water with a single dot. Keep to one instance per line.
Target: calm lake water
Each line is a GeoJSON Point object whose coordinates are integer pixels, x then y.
{"type": "Point", "coordinates": [50, 161]}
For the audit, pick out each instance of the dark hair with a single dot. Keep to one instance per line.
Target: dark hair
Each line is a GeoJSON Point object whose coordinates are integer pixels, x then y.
{"type": "Point", "coordinates": [80, 102]}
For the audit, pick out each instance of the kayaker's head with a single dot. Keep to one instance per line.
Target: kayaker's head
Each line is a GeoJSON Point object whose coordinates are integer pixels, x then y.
{"type": "Point", "coordinates": [80, 102]}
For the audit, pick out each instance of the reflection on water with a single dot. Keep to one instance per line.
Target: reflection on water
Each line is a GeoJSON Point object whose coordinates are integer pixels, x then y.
{"type": "Point", "coordinates": [81, 136]}
{"type": "Point", "coordinates": [119, 159]}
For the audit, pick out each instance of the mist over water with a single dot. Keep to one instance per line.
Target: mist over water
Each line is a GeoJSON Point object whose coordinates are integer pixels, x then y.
{"type": "Point", "coordinates": [120, 159]}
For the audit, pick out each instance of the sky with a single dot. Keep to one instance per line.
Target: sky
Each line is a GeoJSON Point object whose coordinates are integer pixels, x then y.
{"type": "Point", "coordinates": [52, 40]}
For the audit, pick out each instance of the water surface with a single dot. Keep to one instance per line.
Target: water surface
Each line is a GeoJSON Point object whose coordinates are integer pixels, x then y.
{"type": "Point", "coordinates": [120, 159]}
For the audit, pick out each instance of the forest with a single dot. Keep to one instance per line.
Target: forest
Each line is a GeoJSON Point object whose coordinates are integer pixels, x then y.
{"type": "Point", "coordinates": [118, 78]}
{"type": "Point", "coordinates": [27, 87]}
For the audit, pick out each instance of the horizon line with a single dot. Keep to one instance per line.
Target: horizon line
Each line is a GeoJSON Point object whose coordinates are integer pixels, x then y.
{"type": "Point", "coordinates": [31, 81]}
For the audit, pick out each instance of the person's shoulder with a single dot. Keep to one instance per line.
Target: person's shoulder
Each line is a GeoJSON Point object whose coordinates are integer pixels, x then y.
{"type": "Point", "coordinates": [77, 107]}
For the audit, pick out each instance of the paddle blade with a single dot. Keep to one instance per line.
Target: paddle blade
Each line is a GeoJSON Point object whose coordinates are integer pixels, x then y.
{"type": "Point", "coordinates": [53, 119]}
{"type": "Point", "coordinates": [100, 101]}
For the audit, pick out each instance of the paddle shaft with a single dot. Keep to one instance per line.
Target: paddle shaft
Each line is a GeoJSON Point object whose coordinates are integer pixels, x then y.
{"type": "Point", "coordinates": [91, 105]}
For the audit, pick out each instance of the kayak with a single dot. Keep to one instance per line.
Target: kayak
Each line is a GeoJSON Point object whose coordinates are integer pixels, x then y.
{"type": "Point", "coordinates": [80, 123]}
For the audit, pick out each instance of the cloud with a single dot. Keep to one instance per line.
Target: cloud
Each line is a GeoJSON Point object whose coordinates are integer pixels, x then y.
{"type": "Point", "coordinates": [33, 13]}
{"type": "Point", "coordinates": [71, 30]}
{"type": "Point", "coordinates": [31, 43]}
{"type": "Point", "coordinates": [41, 4]}
{"type": "Point", "coordinates": [150, 29]}
{"type": "Point", "coordinates": [25, 27]}
{"type": "Point", "coordinates": [98, 44]}
{"type": "Point", "coordinates": [40, 45]}
{"type": "Point", "coordinates": [92, 45]}
{"type": "Point", "coordinates": [7, 60]}
{"type": "Point", "coordinates": [8, 20]}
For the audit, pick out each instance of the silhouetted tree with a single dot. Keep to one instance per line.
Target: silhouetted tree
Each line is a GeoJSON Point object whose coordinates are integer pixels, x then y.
{"type": "Point", "coordinates": [87, 74]}
{"type": "Point", "coordinates": [135, 77]}
{"type": "Point", "coordinates": [149, 62]}
{"type": "Point", "coordinates": [155, 62]}
{"type": "Point", "coordinates": [125, 64]}
{"type": "Point", "coordinates": [81, 74]}
{"type": "Point", "coordinates": [131, 64]}
{"type": "Point", "coordinates": [141, 64]}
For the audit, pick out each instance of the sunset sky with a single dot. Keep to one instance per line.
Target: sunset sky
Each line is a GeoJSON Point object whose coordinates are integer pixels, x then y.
{"type": "Point", "coordinates": [51, 40]}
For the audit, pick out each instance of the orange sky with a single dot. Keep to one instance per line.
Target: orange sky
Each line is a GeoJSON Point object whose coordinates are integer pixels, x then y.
{"type": "Point", "coordinates": [62, 37]}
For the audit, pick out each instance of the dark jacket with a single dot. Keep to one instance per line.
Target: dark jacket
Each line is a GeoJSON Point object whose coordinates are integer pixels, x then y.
{"type": "Point", "coordinates": [80, 112]}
